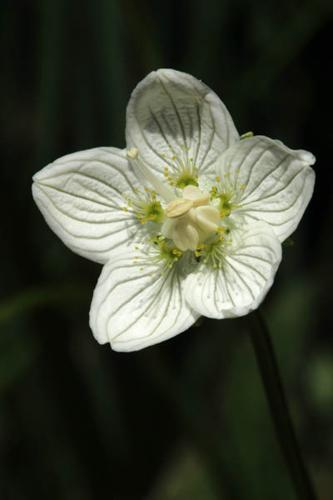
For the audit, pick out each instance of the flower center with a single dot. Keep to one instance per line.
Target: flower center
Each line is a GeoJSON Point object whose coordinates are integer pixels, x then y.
{"type": "Point", "coordinates": [190, 220]}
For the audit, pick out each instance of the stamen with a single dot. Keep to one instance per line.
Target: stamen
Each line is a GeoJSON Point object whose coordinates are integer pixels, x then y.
{"type": "Point", "coordinates": [213, 253]}
{"type": "Point", "coordinates": [183, 172]}
{"type": "Point", "coordinates": [164, 191]}
{"type": "Point", "coordinates": [166, 251]}
{"type": "Point", "coordinates": [225, 197]}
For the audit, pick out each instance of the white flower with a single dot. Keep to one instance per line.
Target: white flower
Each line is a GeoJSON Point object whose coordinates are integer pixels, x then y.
{"type": "Point", "coordinates": [188, 220]}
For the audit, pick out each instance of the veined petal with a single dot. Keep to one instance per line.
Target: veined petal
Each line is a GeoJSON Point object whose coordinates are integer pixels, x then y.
{"type": "Point", "coordinates": [81, 198]}
{"type": "Point", "coordinates": [172, 114]}
{"type": "Point", "coordinates": [138, 302]}
{"type": "Point", "coordinates": [244, 277]}
{"type": "Point", "coordinates": [271, 182]}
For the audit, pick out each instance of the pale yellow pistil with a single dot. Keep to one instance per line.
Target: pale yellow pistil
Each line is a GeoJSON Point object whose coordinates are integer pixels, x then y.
{"type": "Point", "coordinates": [190, 220]}
{"type": "Point", "coordinates": [178, 207]}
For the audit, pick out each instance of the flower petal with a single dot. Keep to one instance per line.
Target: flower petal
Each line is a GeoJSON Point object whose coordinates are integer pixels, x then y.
{"type": "Point", "coordinates": [80, 196]}
{"type": "Point", "coordinates": [246, 274]}
{"type": "Point", "coordinates": [137, 303]}
{"type": "Point", "coordinates": [272, 182]}
{"type": "Point", "coordinates": [172, 114]}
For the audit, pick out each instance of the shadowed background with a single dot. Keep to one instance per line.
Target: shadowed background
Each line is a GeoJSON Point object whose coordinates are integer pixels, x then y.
{"type": "Point", "coordinates": [186, 419]}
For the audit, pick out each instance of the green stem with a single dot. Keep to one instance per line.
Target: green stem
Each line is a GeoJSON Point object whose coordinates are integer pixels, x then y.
{"type": "Point", "coordinates": [271, 379]}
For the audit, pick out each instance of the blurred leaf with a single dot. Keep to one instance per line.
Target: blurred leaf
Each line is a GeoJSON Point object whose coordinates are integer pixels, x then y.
{"type": "Point", "coordinates": [183, 477]}
{"type": "Point", "coordinates": [17, 355]}
{"type": "Point", "coordinates": [320, 382]}
{"type": "Point", "coordinates": [291, 319]}
{"type": "Point", "coordinates": [35, 298]}
{"type": "Point", "coordinates": [51, 46]}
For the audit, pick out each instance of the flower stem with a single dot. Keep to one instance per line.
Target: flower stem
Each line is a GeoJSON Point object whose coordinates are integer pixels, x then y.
{"type": "Point", "coordinates": [267, 364]}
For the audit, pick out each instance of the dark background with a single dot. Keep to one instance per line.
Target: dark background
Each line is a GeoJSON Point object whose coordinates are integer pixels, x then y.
{"type": "Point", "coordinates": [186, 419]}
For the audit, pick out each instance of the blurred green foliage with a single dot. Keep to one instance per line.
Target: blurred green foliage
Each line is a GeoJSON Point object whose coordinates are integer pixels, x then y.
{"type": "Point", "coordinates": [186, 419]}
